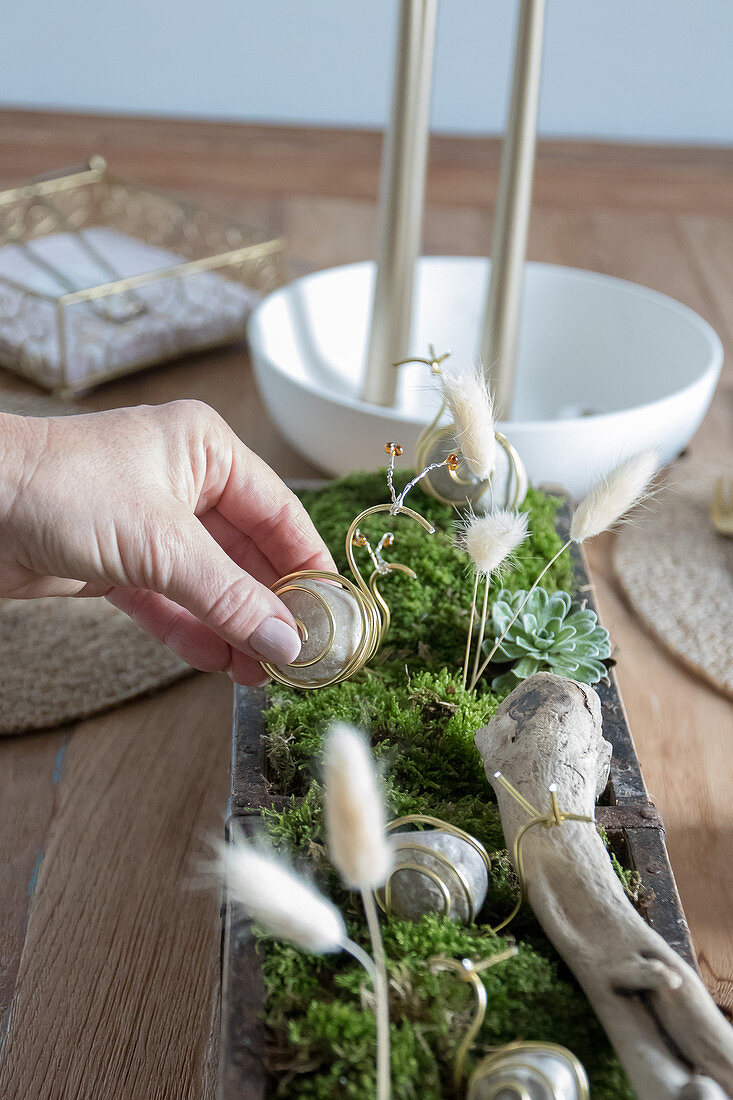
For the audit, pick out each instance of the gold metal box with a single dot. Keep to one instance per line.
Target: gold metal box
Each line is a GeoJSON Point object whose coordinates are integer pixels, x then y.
{"type": "Point", "coordinates": [100, 277]}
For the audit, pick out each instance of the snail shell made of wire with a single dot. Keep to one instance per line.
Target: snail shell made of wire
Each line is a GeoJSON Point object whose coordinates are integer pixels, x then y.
{"type": "Point", "coordinates": [443, 871]}
{"type": "Point", "coordinates": [529, 1071]}
{"type": "Point", "coordinates": [506, 488]}
{"type": "Point", "coordinates": [341, 623]}
{"type": "Point", "coordinates": [338, 624]}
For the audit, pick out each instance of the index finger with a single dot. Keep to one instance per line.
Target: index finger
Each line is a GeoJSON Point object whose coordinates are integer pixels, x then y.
{"type": "Point", "coordinates": [258, 503]}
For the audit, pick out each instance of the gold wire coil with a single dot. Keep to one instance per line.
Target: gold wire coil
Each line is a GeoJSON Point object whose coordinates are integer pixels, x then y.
{"type": "Point", "coordinates": [369, 621]}
{"type": "Point", "coordinates": [470, 972]}
{"type": "Point", "coordinates": [503, 1062]}
{"type": "Point", "coordinates": [412, 845]}
{"type": "Point", "coordinates": [434, 440]}
{"type": "Point", "coordinates": [373, 610]}
{"type": "Point", "coordinates": [554, 817]}
{"type": "Point", "coordinates": [500, 1059]}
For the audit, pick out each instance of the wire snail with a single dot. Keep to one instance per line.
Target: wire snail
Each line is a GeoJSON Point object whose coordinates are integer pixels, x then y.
{"type": "Point", "coordinates": [506, 488]}
{"type": "Point", "coordinates": [522, 1070]}
{"type": "Point", "coordinates": [442, 870]}
{"type": "Point", "coordinates": [341, 622]}
{"type": "Point", "coordinates": [529, 1071]}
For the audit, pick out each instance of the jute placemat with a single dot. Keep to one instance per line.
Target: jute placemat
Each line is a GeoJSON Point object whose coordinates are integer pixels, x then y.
{"type": "Point", "coordinates": [64, 659]}
{"type": "Point", "coordinates": [678, 574]}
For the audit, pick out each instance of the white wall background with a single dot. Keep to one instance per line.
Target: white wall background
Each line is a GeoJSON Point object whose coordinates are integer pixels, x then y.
{"type": "Point", "coordinates": [647, 70]}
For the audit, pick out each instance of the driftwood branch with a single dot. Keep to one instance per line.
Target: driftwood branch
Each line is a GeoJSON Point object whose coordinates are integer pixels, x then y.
{"type": "Point", "coordinates": [667, 1031]}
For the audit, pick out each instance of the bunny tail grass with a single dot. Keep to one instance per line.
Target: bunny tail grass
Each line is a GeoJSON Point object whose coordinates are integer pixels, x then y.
{"type": "Point", "coordinates": [283, 902]}
{"type": "Point", "coordinates": [469, 401]}
{"type": "Point", "coordinates": [355, 817]}
{"type": "Point", "coordinates": [613, 496]}
{"type": "Point", "coordinates": [605, 504]}
{"type": "Point", "coordinates": [489, 540]}
{"type": "Point", "coordinates": [357, 841]}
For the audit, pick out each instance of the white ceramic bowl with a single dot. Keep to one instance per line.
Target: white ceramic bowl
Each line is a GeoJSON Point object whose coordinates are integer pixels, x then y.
{"type": "Point", "coordinates": [605, 367]}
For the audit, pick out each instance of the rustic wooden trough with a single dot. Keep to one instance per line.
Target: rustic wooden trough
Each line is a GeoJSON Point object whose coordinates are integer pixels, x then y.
{"type": "Point", "coordinates": [633, 824]}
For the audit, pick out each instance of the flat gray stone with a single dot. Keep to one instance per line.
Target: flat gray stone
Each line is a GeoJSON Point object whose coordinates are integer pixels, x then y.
{"type": "Point", "coordinates": [414, 894]}
{"type": "Point", "coordinates": [348, 630]}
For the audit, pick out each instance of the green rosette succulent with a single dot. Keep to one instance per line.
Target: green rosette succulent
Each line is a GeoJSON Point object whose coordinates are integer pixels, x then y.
{"type": "Point", "coordinates": [547, 637]}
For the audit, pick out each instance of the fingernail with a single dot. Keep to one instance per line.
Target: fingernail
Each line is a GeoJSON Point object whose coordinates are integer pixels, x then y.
{"type": "Point", "coordinates": [276, 641]}
{"type": "Point", "coordinates": [265, 679]}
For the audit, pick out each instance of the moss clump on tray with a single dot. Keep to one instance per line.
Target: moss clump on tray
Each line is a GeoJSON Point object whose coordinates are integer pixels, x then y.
{"type": "Point", "coordinates": [321, 1033]}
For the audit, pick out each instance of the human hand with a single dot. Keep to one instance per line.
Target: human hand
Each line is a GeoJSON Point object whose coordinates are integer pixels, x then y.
{"type": "Point", "coordinates": [164, 511]}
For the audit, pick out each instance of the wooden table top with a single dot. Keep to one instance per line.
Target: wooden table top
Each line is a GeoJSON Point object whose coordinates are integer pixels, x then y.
{"type": "Point", "coordinates": [108, 953]}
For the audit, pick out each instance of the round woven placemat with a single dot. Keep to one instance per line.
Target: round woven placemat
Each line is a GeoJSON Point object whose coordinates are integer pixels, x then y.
{"type": "Point", "coordinates": [678, 575]}
{"type": "Point", "coordinates": [63, 659]}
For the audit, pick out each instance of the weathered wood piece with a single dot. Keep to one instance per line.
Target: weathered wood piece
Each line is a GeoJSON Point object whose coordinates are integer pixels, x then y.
{"type": "Point", "coordinates": [671, 1038]}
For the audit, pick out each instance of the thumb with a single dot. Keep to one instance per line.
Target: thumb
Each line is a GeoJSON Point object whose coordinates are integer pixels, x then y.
{"type": "Point", "coordinates": [194, 571]}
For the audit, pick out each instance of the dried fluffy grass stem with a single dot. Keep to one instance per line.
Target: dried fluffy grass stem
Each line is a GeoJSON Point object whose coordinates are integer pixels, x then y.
{"type": "Point", "coordinates": [613, 496]}
{"type": "Point", "coordinates": [284, 903]}
{"type": "Point", "coordinates": [606, 503]}
{"type": "Point", "coordinates": [492, 538]}
{"type": "Point", "coordinates": [470, 405]}
{"type": "Point", "coordinates": [355, 818]}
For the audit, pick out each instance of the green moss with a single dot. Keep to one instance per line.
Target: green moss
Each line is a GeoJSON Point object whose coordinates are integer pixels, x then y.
{"type": "Point", "coordinates": [429, 614]}
{"type": "Point", "coordinates": [321, 1040]}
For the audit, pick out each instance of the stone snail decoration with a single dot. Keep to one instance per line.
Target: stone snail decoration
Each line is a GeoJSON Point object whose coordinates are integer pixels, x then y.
{"type": "Point", "coordinates": [458, 486]}
{"type": "Point", "coordinates": [529, 1071]}
{"type": "Point", "coordinates": [444, 870]}
{"type": "Point", "coordinates": [522, 1070]}
{"type": "Point", "coordinates": [342, 622]}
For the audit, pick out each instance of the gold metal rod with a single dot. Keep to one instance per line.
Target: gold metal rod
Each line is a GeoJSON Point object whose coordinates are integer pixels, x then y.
{"type": "Point", "coordinates": [516, 795]}
{"type": "Point", "coordinates": [479, 1013]}
{"type": "Point", "coordinates": [402, 198]}
{"type": "Point", "coordinates": [207, 263]}
{"type": "Point", "coordinates": [470, 631]}
{"type": "Point", "coordinates": [498, 343]}
{"type": "Point", "coordinates": [558, 817]}
{"type": "Point", "coordinates": [482, 626]}
{"type": "Point", "coordinates": [53, 185]}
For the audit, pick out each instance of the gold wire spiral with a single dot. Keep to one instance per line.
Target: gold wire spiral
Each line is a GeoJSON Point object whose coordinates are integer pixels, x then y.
{"type": "Point", "coordinates": [384, 896]}
{"type": "Point", "coordinates": [428, 443]}
{"type": "Point", "coordinates": [504, 1063]}
{"type": "Point", "coordinates": [501, 1058]}
{"type": "Point", "coordinates": [374, 613]}
{"type": "Point", "coordinates": [554, 817]}
{"type": "Point", "coordinates": [433, 435]}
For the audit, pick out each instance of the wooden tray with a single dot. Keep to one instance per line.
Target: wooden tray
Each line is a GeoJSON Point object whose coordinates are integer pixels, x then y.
{"type": "Point", "coordinates": [633, 824]}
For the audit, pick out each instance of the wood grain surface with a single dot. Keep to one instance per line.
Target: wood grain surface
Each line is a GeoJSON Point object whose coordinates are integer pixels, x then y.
{"type": "Point", "coordinates": [108, 950]}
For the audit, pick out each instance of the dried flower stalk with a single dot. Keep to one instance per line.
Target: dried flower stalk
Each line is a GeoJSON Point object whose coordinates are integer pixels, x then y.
{"type": "Point", "coordinates": [490, 540]}
{"type": "Point", "coordinates": [606, 503]}
{"type": "Point", "coordinates": [357, 841]}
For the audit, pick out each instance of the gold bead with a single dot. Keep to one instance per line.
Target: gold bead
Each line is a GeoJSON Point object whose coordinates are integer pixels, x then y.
{"type": "Point", "coordinates": [393, 449]}
{"type": "Point", "coordinates": [452, 462]}
{"type": "Point", "coordinates": [387, 540]}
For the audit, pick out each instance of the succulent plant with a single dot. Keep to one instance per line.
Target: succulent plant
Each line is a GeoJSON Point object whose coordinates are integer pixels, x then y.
{"type": "Point", "coordinates": [548, 637]}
